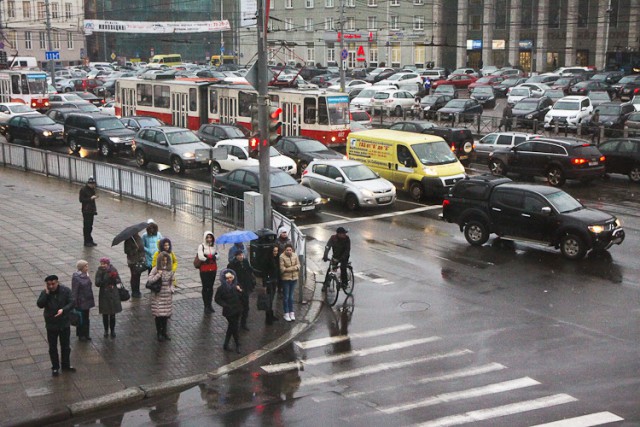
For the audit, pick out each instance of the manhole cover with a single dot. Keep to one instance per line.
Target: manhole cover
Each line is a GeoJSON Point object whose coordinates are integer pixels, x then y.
{"type": "Point", "coordinates": [414, 306]}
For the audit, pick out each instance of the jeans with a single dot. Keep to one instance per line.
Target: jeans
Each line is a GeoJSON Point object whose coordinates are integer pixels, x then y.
{"type": "Point", "coordinates": [288, 286]}
{"type": "Point", "coordinates": [87, 226]}
{"type": "Point", "coordinates": [83, 329]}
{"type": "Point", "coordinates": [52, 337]}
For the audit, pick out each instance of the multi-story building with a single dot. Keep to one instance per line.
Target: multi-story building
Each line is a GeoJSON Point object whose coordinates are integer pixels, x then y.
{"type": "Point", "coordinates": [23, 28]}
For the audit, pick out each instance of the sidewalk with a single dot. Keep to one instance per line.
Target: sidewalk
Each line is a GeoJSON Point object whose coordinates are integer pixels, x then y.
{"type": "Point", "coordinates": [41, 234]}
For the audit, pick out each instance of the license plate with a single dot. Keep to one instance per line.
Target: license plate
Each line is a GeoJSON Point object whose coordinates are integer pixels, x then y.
{"type": "Point", "coordinates": [593, 163]}
{"type": "Point", "coordinates": [308, 208]}
{"type": "Point", "coordinates": [384, 199]}
{"type": "Point", "coordinates": [463, 157]}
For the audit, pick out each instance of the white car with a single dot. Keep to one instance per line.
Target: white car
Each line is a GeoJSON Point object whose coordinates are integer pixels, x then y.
{"type": "Point", "coordinates": [237, 156]}
{"type": "Point", "coordinates": [636, 102]}
{"type": "Point", "coordinates": [9, 110]}
{"type": "Point", "coordinates": [410, 82]}
{"type": "Point", "coordinates": [518, 93]}
{"type": "Point", "coordinates": [364, 99]}
{"type": "Point", "coordinates": [350, 85]}
{"type": "Point", "coordinates": [537, 89]}
{"type": "Point", "coordinates": [64, 85]}
{"type": "Point", "coordinates": [569, 111]}
{"type": "Point", "coordinates": [392, 101]}
{"type": "Point", "coordinates": [108, 108]}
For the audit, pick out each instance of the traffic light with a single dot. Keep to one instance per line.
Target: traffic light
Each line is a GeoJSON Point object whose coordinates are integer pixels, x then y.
{"type": "Point", "coordinates": [274, 124]}
{"type": "Point", "coordinates": [254, 139]}
{"type": "Point", "coordinates": [254, 146]}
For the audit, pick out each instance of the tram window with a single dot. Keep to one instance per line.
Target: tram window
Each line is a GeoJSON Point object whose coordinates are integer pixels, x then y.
{"type": "Point", "coordinates": [145, 94]}
{"type": "Point", "coordinates": [213, 102]}
{"type": "Point", "coordinates": [15, 84]}
{"type": "Point", "coordinates": [310, 110]}
{"type": "Point", "coordinates": [161, 97]}
{"type": "Point", "coordinates": [193, 99]}
{"type": "Point", "coordinates": [25, 85]}
{"type": "Point", "coordinates": [245, 101]}
{"type": "Point", "coordinates": [323, 114]}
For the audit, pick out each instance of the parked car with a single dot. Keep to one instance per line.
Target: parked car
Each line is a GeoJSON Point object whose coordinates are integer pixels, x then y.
{"type": "Point", "coordinates": [350, 85]}
{"type": "Point", "coordinates": [569, 111]}
{"type": "Point", "coordinates": [446, 90]}
{"type": "Point", "coordinates": [565, 83]}
{"type": "Point", "coordinates": [486, 81]}
{"type": "Point", "coordinates": [622, 156]}
{"type": "Point", "coordinates": [466, 109]}
{"type": "Point", "coordinates": [107, 89]}
{"type": "Point", "coordinates": [8, 110]}
{"type": "Point", "coordinates": [598, 97]}
{"type": "Point", "coordinates": [56, 100]}
{"type": "Point", "coordinates": [528, 110]}
{"type": "Point", "coordinates": [303, 150]}
{"type": "Point", "coordinates": [180, 148]}
{"type": "Point", "coordinates": [36, 128]}
{"type": "Point", "coordinates": [211, 133]}
{"type": "Point", "coordinates": [633, 123]}
{"type": "Point", "coordinates": [517, 94]}
{"type": "Point", "coordinates": [489, 143]}
{"type": "Point", "coordinates": [431, 104]}
{"type": "Point", "coordinates": [392, 102]}
{"type": "Point", "coordinates": [60, 114]}
{"type": "Point", "coordinates": [89, 97]}
{"type": "Point", "coordinates": [64, 84]}
{"type": "Point", "coordinates": [636, 102]}
{"type": "Point", "coordinates": [627, 87]}
{"type": "Point", "coordinates": [608, 77]}
{"type": "Point", "coordinates": [583, 88]}
{"type": "Point", "coordinates": [96, 131]}
{"type": "Point", "coordinates": [468, 71]}
{"type": "Point", "coordinates": [501, 88]}
{"type": "Point", "coordinates": [364, 99]}
{"type": "Point", "coordinates": [613, 115]}
{"type": "Point", "coordinates": [108, 108]}
{"type": "Point", "coordinates": [433, 75]}
{"type": "Point", "coordinates": [509, 72]}
{"type": "Point", "coordinates": [546, 79]}
{"type": "Point", "coordinates": [83, 106]}
{"type": "Point", "coordinates": [379, 74]}
{"type": "Point", "coordinates": [360, 116]}
{"type": "Point", "coordinates": [236, 155]}
{"type": "Point", "coordinates": [349, 182]}
{"type": "Point", "coordinates": [554, 94]}
{"type": "Point", "coordinates": [136, 123]}
{"type": "Point", "coordinates": [411, 82]}
{"type": "Point", "coordinates": [557, 159]}
{"type": "Point", "coordinates": [484, 95]}
{"type": "Point", "coordinates": [460, 81]}
{"type": "Point", "coordinates": [537, 89]}
{"type": "Point", "coordinates": [287, 196]}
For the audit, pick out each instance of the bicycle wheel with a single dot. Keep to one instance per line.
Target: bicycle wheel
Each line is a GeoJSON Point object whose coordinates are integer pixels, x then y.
{"type": "Point", "coordinates": [331, 295]}
{"type": "Point", "coordinates": [348, 288]}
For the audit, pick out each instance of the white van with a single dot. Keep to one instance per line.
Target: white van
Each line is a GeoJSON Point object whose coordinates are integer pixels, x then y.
{"type": "Point", "coordinates": [23, 62]}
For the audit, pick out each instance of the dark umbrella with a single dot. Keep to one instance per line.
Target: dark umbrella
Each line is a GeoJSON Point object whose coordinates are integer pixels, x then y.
{"type": "Point", "coordinates": [128, 232]}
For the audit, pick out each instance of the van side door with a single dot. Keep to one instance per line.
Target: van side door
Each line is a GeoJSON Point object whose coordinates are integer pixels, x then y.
{"type": "Point", "coordinates": [405, 164]}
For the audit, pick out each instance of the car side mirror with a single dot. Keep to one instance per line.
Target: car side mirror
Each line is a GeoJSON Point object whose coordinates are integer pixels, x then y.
{"type": "Point", "coordinates": [339, 179]}
{"type": "Point", "coordinates": [546, 210]}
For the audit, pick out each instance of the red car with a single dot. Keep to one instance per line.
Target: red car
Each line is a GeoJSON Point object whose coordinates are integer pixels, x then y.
{"type": "Point", "coordinates": [460, 81]}
{"type": "Point", "coordinates": [487, 81]}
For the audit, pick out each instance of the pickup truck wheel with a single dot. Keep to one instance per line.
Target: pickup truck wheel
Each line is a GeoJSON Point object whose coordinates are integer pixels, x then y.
{"type": "Point", "coordinates": [476, 233]}
{"type": "Point", "coordinates": [351, 202]}
{"type": "Point", "coordinates": [555, 176]}
{"type": "Point", "coordinates": [416, 191]}
{"type": "Point", "coordinates": [497, 167]}
{"type": "Point", "coordinates": [572, 247]}
{"type": "Point", "coordinates": [105, 149]}
{"type": "Point", "coordinates": [215, 168]}
{"type": "Point", "coordinates": [634, 174]}
{"type": "Point", "coordinates": [141, 160]}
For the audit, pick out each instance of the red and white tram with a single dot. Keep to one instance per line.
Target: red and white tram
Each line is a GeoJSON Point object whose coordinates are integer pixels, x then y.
{"type": "Point", "coordinates": [28, 87]}
{"type": "Point", "coordinates": [190, 103]}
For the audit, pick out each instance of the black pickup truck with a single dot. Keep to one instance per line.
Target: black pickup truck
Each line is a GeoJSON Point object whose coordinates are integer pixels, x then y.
{"type": "Point", "coordinates": [483, 205]}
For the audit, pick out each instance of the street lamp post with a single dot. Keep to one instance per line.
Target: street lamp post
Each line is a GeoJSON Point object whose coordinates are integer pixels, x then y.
{"type": "Point", "coordinates": [606, 34]}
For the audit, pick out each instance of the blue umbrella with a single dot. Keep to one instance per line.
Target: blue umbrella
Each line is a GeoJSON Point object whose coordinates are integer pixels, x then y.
{"type": "Point", "coordinates": [237, 236]}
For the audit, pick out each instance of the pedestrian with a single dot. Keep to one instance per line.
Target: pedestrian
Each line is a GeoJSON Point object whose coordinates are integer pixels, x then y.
{"type": "Point", "coordinates": [507, 118]}
{"type": "Point", "coordinates": [247, 282]}
{"type": "Point", "coordinates": [150, 240]}
{"type": "Point", "coordinates": [164, 245]}
{"type": "Point", "coordinates": [427, 85]}
{"type": "Point", "coordinates": [88, 198]}
{"type": "Point", "coordinates": [57, 302]}
{"type": "Point", "coordinates": [134, 248]}
{"type": "Point", "coordinates": [229, 297]}
{"type": "Point", "coordinates": [270, 280]}
{"type": "Point", "coordinates": [233, 249]}
{"type": "Point", "coordinates": [162, 301]}
{"type": "Point", "coordinates": [416, 109]}
{"type": "Point", "coordinates": [282, 240]}
{"type": "Point", "coordinates": [208, 269]}
{"type": "Point", "coordinates": [108, 279]}
{"type": "Point", "coordinates": [594, 126]}
{"type": "Point", "coordinates": [289, 271]}
{"type": "Point", "coordinates": [82, 291]}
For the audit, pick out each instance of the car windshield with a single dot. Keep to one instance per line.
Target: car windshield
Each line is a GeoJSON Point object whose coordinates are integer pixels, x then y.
{"type": "Point", "coordinates": [310, 145]}
{"type": "Point", "coordinates": [559, 93]}
{"type": "Point", "coordinates": [367, 93]}
{"type": "Point", "coordinates": [628, 79]}
{"type": "Point", "coordinates": [483, 90]}
{"type": "Point", "coordinates": [526, 104]}
{"type": "Point", "coordinates": [182, 137]}
{"type": "Point", "coordinates": [430, 99]}
{"type": "Point", "coordinates": [563, 202]}
{"type": "Point", "coordinates": [484, 80]}
{"type": "Point", "coordinates": [359, 116]}
{"type": "Point", "coordinates": [600, 77]}
{"type": "Point", "coordinates": [609, 110]}
{"type": "Point", "coordinates": [510, 82]}
{"type": "Point", "coordinates": [519, 92]}
{"type": "Point", "coordinates": [281, 179]}
{"type": "Point", "coordinates": [21, 108]}
{"type": "Point", "coordinates": [456, 103]}
{"type": "Point", "coordinates": [563, 81]}
{"type": "Point", "coordinates": [149, 121]}
{"type": "Point", "coordinates": [566, 105]}
{"type": "Point", "coordinates": [88, 108]}
{"type": "Point", "coordinates": [359, 173]}
{"type": "Point", "coordinates": [434, 153]}
{"type": "Point", "coordinates": [110, 124]}
{"type": "Point", "coordinates": [599, 96]}
{"type": "Point", "coordinates": [73, 97]}
{"type": "Point", "coordinates": [41, 121]}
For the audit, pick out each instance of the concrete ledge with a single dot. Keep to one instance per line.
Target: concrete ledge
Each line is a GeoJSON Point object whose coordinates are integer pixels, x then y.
{"type": "Point", "coordinates": [172, 386]}
{"type": "Point", "coordinates": [129, 395]}
{"type": "Point", "coordinates": [55, 416]}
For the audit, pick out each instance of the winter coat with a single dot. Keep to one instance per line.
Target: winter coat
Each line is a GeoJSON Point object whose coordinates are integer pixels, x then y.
{"type": "Point", "coordinates": [271, 270]}
{"type": "Point", "coordinates": [282, 243]}
{"type": "Point", "coordinates": [162, 302]}
{"type": "Point", "coordinates": [134, 248]}
{"type": "Point", "coordinates": [150, 244]}
{"type": "Point", "coordinates": [88, 204]}
{"type": "Point", "coordinates": [289, 266]}
{"type": "Point", "coordinates": [244, 275]}
{"type": "Point", "coordinates": [207, 254]}
{"type": "Point", "coordinates": [82, 291]}
{"type": "Point", "coordinates": [108, 296]}
{"type": "Point", "coordinates": [52, 302]}
{"type": "Point", "coordinates": [228, 296]}
{"type": "Point", "coordinates": [174, 260]}
{"type": "Point", "coordinates": [234, 249]}
{"type": "Point", "coordinates": [341, 248]}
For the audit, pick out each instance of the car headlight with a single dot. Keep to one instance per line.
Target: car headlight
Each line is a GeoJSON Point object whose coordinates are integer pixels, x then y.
{"type": "Point", "coordinates": [618, 223]}
{"type": "Point", "coordinates": [47, 133]}
{"type": "Point", "coordinates": [189, 155]}
{"type": "Point", "coordinates": [367, 193]}
{"type": "Point", "coordinates": [596, 229]}
{"type": "Point", "coordinates": [317, 200]}
{"type": "Point", "coordinates": [288, 204]}
{"type": "Point", "coordinates": [430, 171]}
{"type": "Point", "coordinates": [393, 190]}
{"type": "Point", "coordinates": [529, 116]}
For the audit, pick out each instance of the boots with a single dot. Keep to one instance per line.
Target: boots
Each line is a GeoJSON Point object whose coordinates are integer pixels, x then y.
{"type": "Point", "coordinates": [270, 317]}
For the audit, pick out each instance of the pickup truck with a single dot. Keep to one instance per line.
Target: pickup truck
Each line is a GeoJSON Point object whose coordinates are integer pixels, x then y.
{"type": "Point", "coordinates": [482, 205]}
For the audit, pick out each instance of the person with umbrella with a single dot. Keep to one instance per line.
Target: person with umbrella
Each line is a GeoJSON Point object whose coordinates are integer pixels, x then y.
{"type": "Point", "coordinates": [208, 269]}
{"type": "Point", "coordinates": [134, 248]}
{"type": "Point", "coordinates": [238, 246]}
{"type": "Point", "coordinates": [107, 279]}
{"type": "Point", "coordinates": [150, 241]}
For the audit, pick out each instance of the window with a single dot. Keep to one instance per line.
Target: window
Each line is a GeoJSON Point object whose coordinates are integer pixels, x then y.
{"type": "Point", "coordinates": [42, 38]}
{"type": "Point", "coordinates": [308, 4]}
{"type": "Point", "coordinates": [475, 22]}
{"type": "Point", "coordinates": [55, 41]}
{"type": "Point", "coordinates": [161, 96]}
{"type": "Point", "coordinates": [501, 14]}
{"type": "Point", "coordinates": [41, 10]}
{"type": "Point", "coordinates": [213, 101]}
{"type": "Point", "coordinates": [613, 15]}
{"type": "Point", "coordinates": [311, 53]}
{"type": "Point", "coordinates": [419, 54]}
{"type": "Point", "coordinates": [351, 3]}
{"type": "Point", "coordinates": [396, 56]}
{"type": "Point", "coordinates": [288, 24]}
{"type": "Point", "coordinates": [12, 37]}
{"type": "Point", "coordinates": [145, 95]}
{"type": "Point", "coordinates": [69, 40]}
{"type": "Point", "coordinates": [372, 22]}
{"type": "Point", "coordinates": [418, 22]}
{"type": "Point", "coordinates": [504, 140]}
{"type": "Point", "coordinates": [554, 13]}
{"type": "Point", "coordinates": [331, 54]}
{"type": "Point", "coordinates": [583, 13]}
{"type": "Point", "coordinates": [27, 40]}
{"type": "Point", "coordinates": [55, 11]}
{"type": "Point", "coordinates": [526, 18]}
{"type": "Point", "coordinates": [372, 3]}
{"type": "Point", "coordinates": [510, 198]}
{"type": "Point", "coordinates": [418, 2]}
{"type": "Point", "coordinates": [67, 10]}
{"type": "Point", "coordinates": [373, 54]}
{"type": "Point", "coordinates": [26, 9]}
{"type": "Point", "coordinates": [351, 24]}
{"type": "Point", "coordinates": [394, 22]}
{"type": "Point", "coordinates": [308, 24]}
{"type": "Point", "coordinates": [395, 3]}
{"type": "Point", "coordinates": [533, 203]}
{"type": "Point", "coordinates": [11, 9]}
{"type": "Point", "coordinates": [288, 4]}
{"type": "Point", "coordinates": [328, 3]}
{"type": "Point", "coordinates": [328, 23]}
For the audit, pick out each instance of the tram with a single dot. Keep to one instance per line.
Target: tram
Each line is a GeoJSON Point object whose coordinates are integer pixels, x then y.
{"type": "Point", "coordinates": [28, 87]}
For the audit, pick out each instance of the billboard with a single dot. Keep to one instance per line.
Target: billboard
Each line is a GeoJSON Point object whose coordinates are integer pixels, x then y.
{"type": "Point", "coordinates": [102, 26]}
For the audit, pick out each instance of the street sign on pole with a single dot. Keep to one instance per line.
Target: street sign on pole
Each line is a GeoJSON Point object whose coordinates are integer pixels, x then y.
{"type": "Point", "coordinates": [344, 54]}
{"type": "Point", "coordinates": [52, 55]}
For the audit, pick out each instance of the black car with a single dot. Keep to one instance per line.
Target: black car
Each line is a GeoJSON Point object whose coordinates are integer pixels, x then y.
{"type": "Point", "coordinates": [37, 128]}
{"type": "Point", "coordinates": [554, 94]}
{"type": "Point", "coordinates": [501, 88]}
{"type": "Point", "coordinates": [136, 123]}
{"type": "Point", "coordinates": [608, 77]}
{"type": "Point", "coordinates": [484, 95]}
{"type": "Point", "coordinates": [430, 104]}
{"type": "Point", "coordinates": [528, 110]}
{"type": "Point", "coordinates": [599, 97]}
{"type": "Point", "coordinates": [96, 131]}
{"type": "Point", "coordinates": [89, 97]}
{"type": "Point", "coordinates": [557, 159]}
{"type": "Point", "coordinates": [287, 195]}
{"type": "Point", "coordinates": [465, 109]}
{"type": "Point", "coordinates": [303, 150]}
{"type": "Point", "coordinates": [60, 114]}
{"type": "Point", "coordinates": [323, 80]}
{"type": "Point", "coordinates": [622, 156]}
{"type": "Point", "coordinates": [627, 87]}
{"type": "Point", "coordinates": [375, 78]}
{"type": "Point", "coordinates": [613, 115]}
{"type": "Point", "coordinates": [446, 90]}
{"type": "Point", "coordinates": [583, 88]}
{"type": "Point", "coordinates": [211, 133]}
{"type": "Point", "coordinates": [107, 89]}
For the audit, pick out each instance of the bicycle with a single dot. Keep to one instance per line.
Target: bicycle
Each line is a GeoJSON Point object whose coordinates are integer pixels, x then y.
{"type": "Point", "coordinates": [335, 284]}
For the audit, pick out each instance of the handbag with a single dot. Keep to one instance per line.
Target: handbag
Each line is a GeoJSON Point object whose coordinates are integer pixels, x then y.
{"type": "Point", "coordinates": [262, 302]}
{"type": "Point", "coordinates": [196, 261]}
{"type": "Point", "coordinates": [124, 293]}
{"type": "Point", "coordinates": [139, 266]}
{"type": "Point", "coordinates": [75, 317]}
{"type": "Point", "coordinates": [155, 285]}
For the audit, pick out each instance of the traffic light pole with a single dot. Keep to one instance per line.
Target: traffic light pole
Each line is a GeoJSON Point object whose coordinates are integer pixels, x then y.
{"type": "Point", "coordinates": [263, 96]}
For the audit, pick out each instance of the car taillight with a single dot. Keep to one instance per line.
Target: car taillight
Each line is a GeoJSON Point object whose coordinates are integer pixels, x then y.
{"type": "Point", "coordinates": [453, 148]}
{"type": "Point", "coordinates": [304, 172]}
{"type": "Point", "coordinates": [579, 161]}
{"type": "Point", "coordinates": [637, 90]}
{"type": "Point", "coordinates": [445, 203]}
{"type": "Point", "coordinates": [602, 158]}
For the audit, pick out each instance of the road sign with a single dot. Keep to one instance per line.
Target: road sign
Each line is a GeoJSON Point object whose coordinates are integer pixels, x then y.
{"type": "Point", "coordinates": [344, 54]}
{"type": "Point", "coordinates": [52, 55]}
{"type": "Point", "coordinates": [113, 56]}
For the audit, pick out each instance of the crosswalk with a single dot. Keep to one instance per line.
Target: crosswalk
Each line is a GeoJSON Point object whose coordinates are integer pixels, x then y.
{"type": "Point", "coordinates": [464, 389]}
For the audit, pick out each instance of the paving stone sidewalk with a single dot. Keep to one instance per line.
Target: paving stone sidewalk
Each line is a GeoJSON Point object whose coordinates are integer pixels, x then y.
{"type": "Point", "coordinates": [41, 234]}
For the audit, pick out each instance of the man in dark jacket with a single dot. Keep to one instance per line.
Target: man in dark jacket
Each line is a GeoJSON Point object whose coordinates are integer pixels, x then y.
{"type": "Point", "coordinates": [340, 244]}
{"type": "Point", "coordinates": [57, 303]}
{"type": "Point", "coordinates": [88, 199]}
{"type": "Point", "coordinates": [246, 280]}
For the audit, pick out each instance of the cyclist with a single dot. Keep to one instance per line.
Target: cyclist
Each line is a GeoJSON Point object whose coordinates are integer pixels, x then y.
{"type": "Point", "coordinates": [341, 246]}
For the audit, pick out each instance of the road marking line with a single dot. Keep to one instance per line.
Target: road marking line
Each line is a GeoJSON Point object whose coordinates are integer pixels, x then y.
{"type": "Point", "coordinates": [305, 345]}
{"type": "Point", "coordinates": [500, 411]}
{"type": "Point", "coordinates": [279, 367]}
{"type": "Point", "coordinates": [462, 373]}
{"type": "Point", "coordinates": [585, 420]}
{"type": "Point", "coordinates": [463, 394]}
{"type": "Point", "coordinates": [366, 218]}
{"type": "Point", "coordinates": [376, 369]}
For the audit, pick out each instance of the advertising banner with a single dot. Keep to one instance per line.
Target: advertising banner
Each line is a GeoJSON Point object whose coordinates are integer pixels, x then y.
{"type": "Point", "coordinates": [169, 27]}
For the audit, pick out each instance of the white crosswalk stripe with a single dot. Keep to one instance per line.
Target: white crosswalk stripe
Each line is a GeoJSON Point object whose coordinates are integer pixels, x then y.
{"type": "Point", "coordinates": [597, 419]}
{"type": "Point", "coordinates": [333, 340]}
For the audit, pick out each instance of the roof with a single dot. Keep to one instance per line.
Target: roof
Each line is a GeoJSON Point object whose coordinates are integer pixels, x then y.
{"type": "Point", "coordinates": [574, 98]}
{"type": "Point", "coordinates": [238, 142]}
{"type": "Point", "coordinates": [540, 189]}
{"type": "Point", "coordinates": [337, 162]}
{"type": "Point", "coordinates": [392, 136]}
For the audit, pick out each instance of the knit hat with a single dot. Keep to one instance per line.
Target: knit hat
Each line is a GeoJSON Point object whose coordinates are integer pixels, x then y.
{"type": "Point", "coordinates": [105, 260]}
{"type": "Point", "coordinates": [91, 180]}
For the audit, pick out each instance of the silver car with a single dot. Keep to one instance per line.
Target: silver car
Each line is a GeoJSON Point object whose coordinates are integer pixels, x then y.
{"type": "Point", "coordinates": [349, 181]}
{"type": "Point", "coordinates": [493, 141]}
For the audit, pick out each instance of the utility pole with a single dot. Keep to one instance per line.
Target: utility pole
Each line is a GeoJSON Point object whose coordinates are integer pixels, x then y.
{"type": "Point", "coordinates": [52, 65]}
{"type": "Point", "coordinates": [342, 61]}
{"type": "Point", "coordinates": [606, 34]}
{"type": "Point", "coordinates": [263, 96]}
